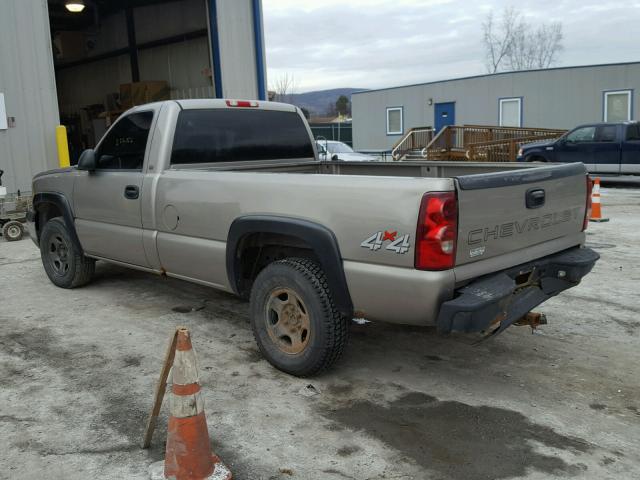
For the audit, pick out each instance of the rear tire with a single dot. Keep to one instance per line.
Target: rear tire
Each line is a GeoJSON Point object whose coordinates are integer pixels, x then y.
{"type": "Point", "coordinates": [12, 231]}
{"type": "Point", "coordinates": [65, 265]}
{"type": "Point", "coordinates": [294, 320]}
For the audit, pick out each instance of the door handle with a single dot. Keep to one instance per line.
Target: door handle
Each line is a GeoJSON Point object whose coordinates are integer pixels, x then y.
{"type": "Point", "coordinates": [131, 192]}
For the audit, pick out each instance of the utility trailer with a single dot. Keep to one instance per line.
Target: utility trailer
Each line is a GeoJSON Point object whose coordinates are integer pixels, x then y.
{"type": "Point", "coordinates": [13, 213]}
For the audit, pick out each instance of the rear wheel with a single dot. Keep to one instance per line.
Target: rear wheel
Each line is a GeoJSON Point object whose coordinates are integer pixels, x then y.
{"type": "Point", "coordinates": [65, 265]}
{"type": "Point", "coordinates": [12, 231]}
{"type": "Point", "coordinates": [294, 320]}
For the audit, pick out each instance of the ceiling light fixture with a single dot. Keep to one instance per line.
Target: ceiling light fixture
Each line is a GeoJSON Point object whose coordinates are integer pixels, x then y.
{"type": "Point", "coordinates": [75, 6]}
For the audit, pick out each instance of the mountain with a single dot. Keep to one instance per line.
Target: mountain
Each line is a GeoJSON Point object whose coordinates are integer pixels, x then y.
{"type": "Point", "coordinates": [318, 102]}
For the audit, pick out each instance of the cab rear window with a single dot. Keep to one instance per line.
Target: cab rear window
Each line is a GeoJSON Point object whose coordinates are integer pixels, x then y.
{"type": "Point", "coordinates": [233, 135]}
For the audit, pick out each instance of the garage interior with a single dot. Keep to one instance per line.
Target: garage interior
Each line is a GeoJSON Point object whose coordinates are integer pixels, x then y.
{"type": "Point", "coordinates": [114, 54]}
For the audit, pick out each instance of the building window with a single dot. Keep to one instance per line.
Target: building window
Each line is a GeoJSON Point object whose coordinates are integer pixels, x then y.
{"type": "Point", "coordinates": [617, 106]}
{"type": "Point", "coordinates": [511, 112]}
{"type": "Point", "coordinates": [394, 121]}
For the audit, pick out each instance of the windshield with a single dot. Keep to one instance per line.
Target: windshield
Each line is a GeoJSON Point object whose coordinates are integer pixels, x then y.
{"type": "Point", "coordinates": [339, 148]}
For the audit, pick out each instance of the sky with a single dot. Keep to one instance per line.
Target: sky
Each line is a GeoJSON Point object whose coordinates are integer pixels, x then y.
{"type": "Point", "coordinates": [381, 43]}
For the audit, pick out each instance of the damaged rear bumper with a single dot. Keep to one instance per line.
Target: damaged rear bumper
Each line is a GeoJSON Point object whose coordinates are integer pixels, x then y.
{"type": "Point", "coordinates": [498, 300]}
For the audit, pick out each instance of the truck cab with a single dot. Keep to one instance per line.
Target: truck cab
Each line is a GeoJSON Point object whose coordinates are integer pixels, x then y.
{"type": "Point", "coordinates": [609, 148]}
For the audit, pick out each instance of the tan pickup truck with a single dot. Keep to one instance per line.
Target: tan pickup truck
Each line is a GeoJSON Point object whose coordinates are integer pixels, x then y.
{"type": "Point", "coordinates": [231, 194]}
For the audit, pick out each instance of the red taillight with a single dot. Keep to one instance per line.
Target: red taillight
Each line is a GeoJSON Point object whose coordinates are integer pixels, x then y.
{"type": "Point", "coordinates": [241, 103]}
{"type": "Point", "coordinates": [437, 231]}
{"type": "Point", "coordinates": [587, 210]}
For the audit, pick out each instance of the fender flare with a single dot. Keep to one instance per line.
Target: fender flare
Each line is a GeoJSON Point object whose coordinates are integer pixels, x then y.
{"type": "Point", "coordinates": [60, 201]}
{"type": "Point", "coordinates": [321, 240]}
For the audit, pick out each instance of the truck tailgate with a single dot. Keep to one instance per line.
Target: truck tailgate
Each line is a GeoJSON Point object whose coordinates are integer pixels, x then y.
{"type": "Point", "coordinates": [504, 212]}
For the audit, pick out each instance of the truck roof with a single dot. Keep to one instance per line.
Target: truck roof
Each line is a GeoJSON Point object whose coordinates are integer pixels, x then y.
{"type": "Point", "coordinates": [235, 103]}
{"type": "Point", "coordinates": [209, 103]}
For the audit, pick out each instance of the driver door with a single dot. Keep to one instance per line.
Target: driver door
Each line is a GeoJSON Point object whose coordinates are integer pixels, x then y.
{"type": "Point", "coordinates": [107, 201]}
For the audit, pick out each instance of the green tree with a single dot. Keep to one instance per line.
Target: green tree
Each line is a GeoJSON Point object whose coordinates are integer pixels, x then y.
{"type": "Point", "coordinates": [342, 105]}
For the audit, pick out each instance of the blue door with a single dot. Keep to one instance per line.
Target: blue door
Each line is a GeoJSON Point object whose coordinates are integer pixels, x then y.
{"type": "Point", "coordinates": [445, 114]}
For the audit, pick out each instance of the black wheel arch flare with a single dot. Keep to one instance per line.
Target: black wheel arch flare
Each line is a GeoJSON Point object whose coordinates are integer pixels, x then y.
{"type": "Point", "coordinates": [61, 202]}
{"type": "Point", "coordinates": [321, 240]}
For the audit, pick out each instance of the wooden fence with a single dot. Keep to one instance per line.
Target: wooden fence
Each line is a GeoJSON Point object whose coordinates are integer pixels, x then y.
{"type": "Point", "coordinates": [483, 143]}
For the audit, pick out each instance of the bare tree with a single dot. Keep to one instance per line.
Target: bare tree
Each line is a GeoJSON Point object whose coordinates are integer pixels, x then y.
{"type": "Point", "coordinates": [285, 86]}
{"type": "Point", "coordinates": [498, 38]}
{"type": "Point", "coordinates": [513, 44]}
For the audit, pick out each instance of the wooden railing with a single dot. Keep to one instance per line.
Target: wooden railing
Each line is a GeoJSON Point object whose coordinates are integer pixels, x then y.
{"type": "Point", "coordinates": [502, 150]}
{"type": "Point", "coordinates": [449, 142]}
{"type": "Point", "coordinates": [415, 139]}
{"type": "Point", "coordinates": [483, 133]}
{"type": "Point", "coordinates": [455, 142]}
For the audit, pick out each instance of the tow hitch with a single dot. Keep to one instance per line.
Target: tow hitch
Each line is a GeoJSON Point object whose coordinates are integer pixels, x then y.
{"type": "Point", "coordinates": [532, 319]}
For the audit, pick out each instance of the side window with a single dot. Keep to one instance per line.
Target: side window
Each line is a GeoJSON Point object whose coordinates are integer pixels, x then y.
{"type": "Point", "coordinates": [633, 132]}
{"type": "Point", "coordinates": [581, 135]}
{"type": "Point", "coordinates": [124, 145]}
{"type": "Point", "coordinates": [606, 133]}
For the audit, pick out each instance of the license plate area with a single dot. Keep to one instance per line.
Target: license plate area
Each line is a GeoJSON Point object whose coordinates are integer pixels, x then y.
{"type": "Point", "coordinates": [526, 278]}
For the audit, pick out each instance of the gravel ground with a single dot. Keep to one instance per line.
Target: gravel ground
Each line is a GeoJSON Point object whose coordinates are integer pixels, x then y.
{"type": "Point", "coordinates": [78, 369]}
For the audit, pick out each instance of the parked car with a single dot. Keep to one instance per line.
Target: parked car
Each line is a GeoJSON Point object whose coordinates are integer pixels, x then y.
{"type": "Point", "coordinates": [231, 194]}
{"type": "Point", "coordinates": [333, 150]}
{"type": "Point", "coordinates": [603, 147]}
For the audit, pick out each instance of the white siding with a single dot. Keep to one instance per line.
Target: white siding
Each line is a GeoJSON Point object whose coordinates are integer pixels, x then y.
{"type": "Point", "coordinates": [555, 98]}
{"type": "Point", "coordinates": [237, 48]}
{"type": "Point", "coordinates": [27, 81]}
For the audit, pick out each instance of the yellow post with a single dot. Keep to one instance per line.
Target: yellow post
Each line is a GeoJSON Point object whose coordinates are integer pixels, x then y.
{"type": "Point", "coordinates": [63, 146]}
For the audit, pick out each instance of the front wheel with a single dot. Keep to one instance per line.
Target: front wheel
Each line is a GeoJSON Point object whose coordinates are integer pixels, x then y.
{"type": "Point", "coordinates": [295, 323]}
{"type": "Point", "coordinates": [64, 263]}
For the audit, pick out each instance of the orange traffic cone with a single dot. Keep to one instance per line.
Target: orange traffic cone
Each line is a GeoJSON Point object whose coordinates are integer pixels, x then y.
{"type": "Point", "coordinates": [596, 210]}
{"type": "Point", "coordinates": [188, 454]}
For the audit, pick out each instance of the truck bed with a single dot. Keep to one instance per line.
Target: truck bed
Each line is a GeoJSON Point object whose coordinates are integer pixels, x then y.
{"type": "Point", "coordinates": [424, 169]}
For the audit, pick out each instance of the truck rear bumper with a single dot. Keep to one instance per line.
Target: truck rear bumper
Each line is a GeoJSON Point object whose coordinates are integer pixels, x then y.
{"type": "Point", "coordinates": [498, 300]}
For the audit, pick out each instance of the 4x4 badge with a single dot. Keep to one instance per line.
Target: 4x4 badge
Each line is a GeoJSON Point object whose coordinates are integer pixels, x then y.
{"type": "Point", "coordinates": [399, 244]}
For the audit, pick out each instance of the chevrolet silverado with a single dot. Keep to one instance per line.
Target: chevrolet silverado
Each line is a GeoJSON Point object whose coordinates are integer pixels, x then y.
{"type": "Point", "coordinates": [231, 194]}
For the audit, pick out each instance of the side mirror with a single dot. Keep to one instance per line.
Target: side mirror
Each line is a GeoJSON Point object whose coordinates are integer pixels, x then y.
{"type": "Point", "coordinates": [87, 160]}
{"type": "Point", "coordinates": [334, 157]}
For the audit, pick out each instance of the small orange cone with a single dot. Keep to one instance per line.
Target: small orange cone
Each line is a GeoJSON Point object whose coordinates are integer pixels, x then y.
{"type": "Point", "coordinates": [188, 453]}
{"type": "Point", "coordinates": [596, 209]}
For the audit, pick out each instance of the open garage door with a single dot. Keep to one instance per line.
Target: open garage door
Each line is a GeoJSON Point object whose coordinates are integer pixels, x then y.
{"type": "Point", "coordinates": [114, 54]}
